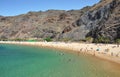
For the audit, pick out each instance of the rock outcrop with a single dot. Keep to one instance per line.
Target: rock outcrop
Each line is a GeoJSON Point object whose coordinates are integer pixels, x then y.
{"type": "Point", "coordinates": [109, 22]}
{"type": "Point", "coordinates": [101, 20]}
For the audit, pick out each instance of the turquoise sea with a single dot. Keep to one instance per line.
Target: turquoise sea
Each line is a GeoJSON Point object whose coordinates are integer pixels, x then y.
{"type": "Point", "coordinates": [30, 61]}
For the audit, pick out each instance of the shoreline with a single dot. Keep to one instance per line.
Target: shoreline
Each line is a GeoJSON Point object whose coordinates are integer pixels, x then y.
{"type": "Point", "coordinates": [104, 51]}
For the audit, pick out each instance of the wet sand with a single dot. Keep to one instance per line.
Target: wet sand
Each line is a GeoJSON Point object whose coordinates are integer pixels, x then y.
{"type": "Point", "coordinates": [105, 51]}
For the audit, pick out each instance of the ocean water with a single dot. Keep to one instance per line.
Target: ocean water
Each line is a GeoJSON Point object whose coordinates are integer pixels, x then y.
{"type": "Point", "coordinates": [30, 61]}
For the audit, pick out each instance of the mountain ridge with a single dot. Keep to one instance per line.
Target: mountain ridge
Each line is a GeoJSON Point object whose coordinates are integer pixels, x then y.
{"type": "Point", "coordinates": [73, 25]}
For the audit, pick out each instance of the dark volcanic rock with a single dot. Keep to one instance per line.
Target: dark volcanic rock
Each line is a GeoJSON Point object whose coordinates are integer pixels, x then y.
{"type": "Point", "coordinates": [109, 23]}
{"type": "Point", "coordinates": [103, 19]}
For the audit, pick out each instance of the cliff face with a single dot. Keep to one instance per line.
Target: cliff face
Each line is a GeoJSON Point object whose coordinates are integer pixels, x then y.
{"type": "Point", "coordinates": [102, 19]}
{"type": "Point", "coordinates": [109, 22]}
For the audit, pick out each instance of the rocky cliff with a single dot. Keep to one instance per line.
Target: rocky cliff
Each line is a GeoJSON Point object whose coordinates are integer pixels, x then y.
{"type": "Point", "coordinates": [102, 19]}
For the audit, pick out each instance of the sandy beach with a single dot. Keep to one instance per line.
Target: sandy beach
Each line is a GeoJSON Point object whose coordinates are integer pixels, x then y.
{"type": "Point", "coordinates": [109, 52]}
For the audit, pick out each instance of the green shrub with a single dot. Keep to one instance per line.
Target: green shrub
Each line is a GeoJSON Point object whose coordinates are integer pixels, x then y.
{"type": "Point", "coordinates": [102, 39]}
{"type": "Point", "coordinates": [118, 42]}
{"type": "Point", "coordinates": [89, 39]}
{"type": "Point", "coordinates": [18, 39]}
{"type": "Point", "coordinates": [106, 40]}
{"type": "Point", "coordinates": [32, 40]}
{"type": "Point", "coordinates": [48, 39]}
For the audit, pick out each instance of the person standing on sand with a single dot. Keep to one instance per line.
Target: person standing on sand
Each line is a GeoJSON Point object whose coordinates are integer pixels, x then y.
{"type": "Point", "coordinates": [117, 55]}
{"type": "Point", "coordinates": [94, 53]}
{"type": "Point", "coordinates": [111, 53]}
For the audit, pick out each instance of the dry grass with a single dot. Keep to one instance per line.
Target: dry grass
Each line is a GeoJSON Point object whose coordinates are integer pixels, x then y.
{"type": "Point", "coordinates": [102, 3]}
